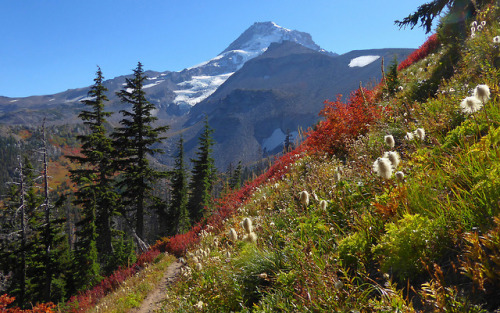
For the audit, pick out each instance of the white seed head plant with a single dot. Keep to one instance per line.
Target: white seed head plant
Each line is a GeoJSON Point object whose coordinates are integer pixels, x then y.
{"type": "Point", "coordinates": [482, 92]}
{"type": "Point", "coordinates": [420, 133]}
{"type": "Point", "coordinates": [337, 176]}
{"type": "Point", "coordinates": [400, 176]}
{"type": "Point", "coordinates": [233, 236]}
{"type": "Point", "coordinates": [496, 39]}
{"type": "Point", "coordinates": [393, 156]}
{"type": "Point", "coordinates": [247, 225]}
{"type": "Point", "coordinates": [251, 237]}
{"type": "Point", "coordinates": [323, 204]}
{"type": "Point", "coordinates": [304, 197]}
{"type": "Point", "coordinates": [198, 266]}
{"type": "Point", "coordinates": [382, 167]}
{"type": "Point", "coordinates": [409, 136]}
{"type": "Point", "coordinates": [389, 140]}
{"type": "Point", "coordinates": [470, 105]}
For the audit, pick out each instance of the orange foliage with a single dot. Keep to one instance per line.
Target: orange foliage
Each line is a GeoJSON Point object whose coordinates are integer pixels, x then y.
{"type": "Point", "coordinates": [25, 134]}
{"type": "Point", "coordinates": [5, 300]}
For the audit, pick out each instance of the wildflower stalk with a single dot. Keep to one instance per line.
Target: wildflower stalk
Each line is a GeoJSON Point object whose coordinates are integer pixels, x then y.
{"type": "Point", "coordinates": [363, 94]}
{"type": "Point", "coordinates": [383, 73]}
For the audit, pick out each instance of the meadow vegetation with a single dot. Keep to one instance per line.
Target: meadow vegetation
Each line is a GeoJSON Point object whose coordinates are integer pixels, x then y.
{"type": "Point", "coordinates": [390, 204]}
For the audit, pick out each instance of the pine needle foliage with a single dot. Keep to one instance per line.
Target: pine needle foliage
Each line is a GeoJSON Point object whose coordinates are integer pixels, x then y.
{"type": "Point", "coordinates": [178, 210]}
{"type": "Point", "coordinates": [203, 175]}
{"type": "Point", "coordinates": [134, 140]}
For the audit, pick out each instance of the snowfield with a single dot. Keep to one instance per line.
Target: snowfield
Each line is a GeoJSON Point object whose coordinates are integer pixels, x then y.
{"type": "Point", "coordinates": [363, 60]}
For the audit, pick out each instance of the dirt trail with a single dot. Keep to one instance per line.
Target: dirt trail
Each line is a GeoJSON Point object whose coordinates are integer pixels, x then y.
{"type": "Point", "coordinates": [155, 297]}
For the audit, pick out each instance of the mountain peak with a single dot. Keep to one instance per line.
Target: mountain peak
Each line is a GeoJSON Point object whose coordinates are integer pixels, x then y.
{"type": "Point", "coordinates": [260, 35]}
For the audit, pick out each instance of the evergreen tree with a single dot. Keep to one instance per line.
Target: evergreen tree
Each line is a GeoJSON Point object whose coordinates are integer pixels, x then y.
{"type": "Point", "coordinates": [458, 10]}
{"type": "Point", "coordinates": [18, 227]}
{"type": "Point", "coordinates": [392, 76]}
{"type": "Point", "coordinates": [235, 178]}
{"type": "Point", "coordinates": [203, 175]}
{"type": "Point", "coordinates": [94, 181]}
{"type": "Point", "coordinates": [178, 207]}
{"type": "Point", "coordinates": [134, 141]}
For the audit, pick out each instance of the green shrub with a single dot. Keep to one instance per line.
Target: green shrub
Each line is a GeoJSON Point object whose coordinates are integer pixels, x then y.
{"type": "Point", "coordinates": [353, 248]}
{"type": "Point", "coordinates": [408, 244]}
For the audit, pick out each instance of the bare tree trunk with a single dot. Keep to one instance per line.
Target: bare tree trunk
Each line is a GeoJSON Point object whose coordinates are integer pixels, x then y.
{"type": "Point", "coordinates": [46, 204]}
{"type": "Point", "coordinates": [23, 235]}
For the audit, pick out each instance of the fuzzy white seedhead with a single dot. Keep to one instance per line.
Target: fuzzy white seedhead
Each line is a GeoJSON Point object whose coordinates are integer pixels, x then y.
{"type": "Point", "coordinates": [233, 236]}
{"type": "Point", "coordinates": [389, 140]}
{"type": "Point", "coordinates": [337, 176]}
{"type": "Point", "coordinates": [409, 136]}
{"type": "Point", "coordinates": [496, 39]}
{"type": "Point", "coordinates": [470, 105]}
{"type": "Point", "coordinates": [196, 260]}
{"type": "Point", "coordinates": [228, 254]}
{"type": "Point", "coordinates": [420, 133]}
{"type": "Point", "coordinates": [479, 28]}
{"type": "Point", "coordinates": [482, 92]}
{"type": "Point", "coordinates": [198, 266]}
{"type": "Point", "coordinates": [251, 237]}
{"type": "Point", "coordinates": [393, 156]}
{"type": "Point", "coordinates": [400, 176]}
{"type": "Point", "coordinates": [473, 24]}
{"type": "Point", "coordinates": [382, 167]}
{"type": "Point", "coordinates": [323, 204]}
{"type": "Point", "coordinates": [315, 197]}
{"type": "Point", "coordinates": [247, 225]}
{"type": "Point", "coordinates": [304, 197]}
{"type": "Point", "coordinates": [400, 88]}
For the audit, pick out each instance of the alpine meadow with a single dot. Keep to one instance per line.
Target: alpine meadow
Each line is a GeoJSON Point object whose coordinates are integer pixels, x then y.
{"type": "Point", "coordinates": [228, 191]}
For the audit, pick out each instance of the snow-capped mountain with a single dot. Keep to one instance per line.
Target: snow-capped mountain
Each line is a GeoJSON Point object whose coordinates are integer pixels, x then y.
{"type": "Point", "coordinates": [206, 77]}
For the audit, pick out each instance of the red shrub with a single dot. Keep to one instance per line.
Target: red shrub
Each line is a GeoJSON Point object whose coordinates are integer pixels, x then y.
{"type": "Point", "coordinates": [343, 122]}
{"type": "Point", "coordinates": [430, 45]}
{"type": "Point", "coordinates": [179, 244]}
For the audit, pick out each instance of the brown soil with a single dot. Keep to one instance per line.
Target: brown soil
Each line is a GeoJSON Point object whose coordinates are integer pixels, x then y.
{"type": "Point", "coordinates": [153, 301]}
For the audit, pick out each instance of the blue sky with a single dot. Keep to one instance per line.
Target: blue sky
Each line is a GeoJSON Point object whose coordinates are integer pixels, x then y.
{"type": "Point", "coordinates": [48, 46]}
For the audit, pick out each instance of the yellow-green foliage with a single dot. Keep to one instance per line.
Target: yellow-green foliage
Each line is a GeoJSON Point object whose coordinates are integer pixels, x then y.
{"type": "Point", "coordinates": [407, 245]}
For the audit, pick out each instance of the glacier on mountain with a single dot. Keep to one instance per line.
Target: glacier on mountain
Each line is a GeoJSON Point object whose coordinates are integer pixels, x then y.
{"type": "Point", "coordinates": [363, 60]}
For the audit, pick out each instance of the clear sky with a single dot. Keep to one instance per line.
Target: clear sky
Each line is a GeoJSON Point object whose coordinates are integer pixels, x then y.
{"type": "Point", "coordinates": [48, 46]}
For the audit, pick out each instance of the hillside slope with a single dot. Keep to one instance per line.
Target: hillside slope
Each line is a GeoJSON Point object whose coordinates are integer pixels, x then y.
{"type": "Point", "coordinates": [342, 225]}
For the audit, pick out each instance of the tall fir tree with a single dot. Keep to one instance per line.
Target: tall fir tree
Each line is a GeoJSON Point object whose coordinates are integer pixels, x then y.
{"type": "Point", "coordinates": [94, 180]}
{"type": "Point", "coordinates": [178, 210]}
{"type": "Point", "coordinates": [134, 141]}
{"type": "Point", "coordinates": [203, 175]}
{"type": "Point", "coordinates": [95, 175]}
